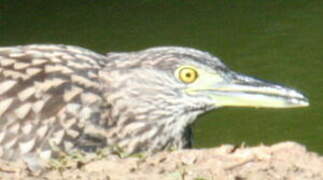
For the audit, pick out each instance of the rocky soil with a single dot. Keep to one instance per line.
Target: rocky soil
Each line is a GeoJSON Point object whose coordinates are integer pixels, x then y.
{"type": "Point", "coordinates": [283, 161]}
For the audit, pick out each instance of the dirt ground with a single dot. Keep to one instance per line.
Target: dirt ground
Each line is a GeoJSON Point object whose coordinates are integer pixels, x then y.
{"type": "Point", "coordinates": [283, 161]}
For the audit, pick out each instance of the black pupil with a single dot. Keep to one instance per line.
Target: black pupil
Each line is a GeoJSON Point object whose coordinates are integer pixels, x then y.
{"type": "Point", "coordinates": [188, 75]}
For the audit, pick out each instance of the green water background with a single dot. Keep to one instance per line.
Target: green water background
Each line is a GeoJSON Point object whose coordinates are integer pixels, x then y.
{"type": "Point", "coordinates": [277, 40]}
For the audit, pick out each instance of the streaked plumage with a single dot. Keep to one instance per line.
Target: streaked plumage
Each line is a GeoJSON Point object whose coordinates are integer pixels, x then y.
{"type": "Point", "coordinates": [59, 98]}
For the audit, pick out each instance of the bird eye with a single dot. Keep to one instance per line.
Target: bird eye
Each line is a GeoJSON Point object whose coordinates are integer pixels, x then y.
{"type": "Point", "coordinates": [188, 74]}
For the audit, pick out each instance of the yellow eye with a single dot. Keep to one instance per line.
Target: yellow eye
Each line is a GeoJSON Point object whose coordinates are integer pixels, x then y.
{"type": "Point", "coordinates": [188, 74]}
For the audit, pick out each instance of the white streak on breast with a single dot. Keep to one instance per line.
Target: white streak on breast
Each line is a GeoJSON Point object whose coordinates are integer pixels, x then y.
{"type": "Point", "coordinates": [89, 98]}
{"type": "Point", "coordinates": [14, 74]}
{"type": "Point", "coordinates": [42, 131]}
{"type": "Point", "coordinates": [68, 145]}
{"type": "Point", "coordinates": [20, 65]}
{"type": "Point", "coordinates": [5, 104]}
{"type": "Point", "coordinates": [2, 135]}
{"type": "Point", "coordinates": [33, 71]}
{"type": "Point", "coordinates": [10, 143]}
{"type": "Point", "coordinates": [70, 94]}
{"type": "Point", "coordinates": [25, 94]}
{"type": "Point", "coordinates": [38, 61]}
{"type": "Point", "coordinates": [23, 110]}
{"type": "Point", "coordinates": [7, 85]}
{"type": "Point", "coordinates": [14, 128]}
{"type": "Point", "coordinates": [73, 133]}
{"type": "Point", "coordinates": [26, 129]}
{"type": "Point", "coordinates": [68, 123]}
{"type": "Point", "coordinates": [25, 147]}
{"type": "Point", "coordinates": [7, 62]}
{"type": "Point", "coordinates": [38, 106]}
{"type": "Point", "coordinates": [45, 154]}
{"type": "Point", "coordinates": [52, 68]}
{"type": "Point", "coordinates": [73, 108]}
{"type": "Point", "coordinates": [52, 83]}
{"type": "Point", "coordinates": [58, 137]}
{"type": "Point", "coordinates": [84, 81]}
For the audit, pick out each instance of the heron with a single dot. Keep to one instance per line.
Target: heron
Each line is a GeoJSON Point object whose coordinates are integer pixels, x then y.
{"type": "Point", "coordinates": [59, 98]}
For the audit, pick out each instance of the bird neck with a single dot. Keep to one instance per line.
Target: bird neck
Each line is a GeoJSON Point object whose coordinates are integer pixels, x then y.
{"type": "Point", "coordinates": [153, 131]}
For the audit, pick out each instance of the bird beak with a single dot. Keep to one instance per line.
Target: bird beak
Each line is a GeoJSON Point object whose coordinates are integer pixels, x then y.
{"type": "Point", "coordinates": [243, 91]}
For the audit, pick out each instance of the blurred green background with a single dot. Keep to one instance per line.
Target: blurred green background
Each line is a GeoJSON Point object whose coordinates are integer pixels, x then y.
{"type": "Point", "coordinates": [277, 40]}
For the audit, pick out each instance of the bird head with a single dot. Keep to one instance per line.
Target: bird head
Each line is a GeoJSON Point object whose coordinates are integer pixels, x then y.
{"type": "Point", "coordinates": [175, 85]}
